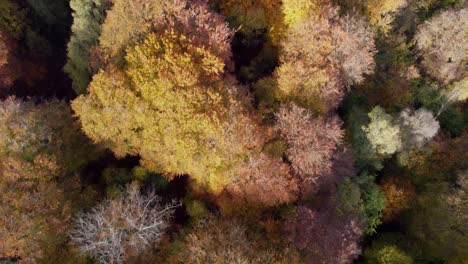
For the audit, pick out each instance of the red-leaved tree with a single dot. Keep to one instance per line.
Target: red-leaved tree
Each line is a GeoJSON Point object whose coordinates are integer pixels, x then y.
{"type": "Point", "coordinates": [311, 141]}
{"type": "Point", "coordinates": [324, 237]}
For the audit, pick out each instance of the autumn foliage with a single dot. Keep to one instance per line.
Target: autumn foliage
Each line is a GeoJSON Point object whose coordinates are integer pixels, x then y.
{"type": "Point", "coordinates": [179, 111]}
{"type": "Point", "coordinates": [8, 65]}
{"type": "Point", "coordinates": [233, 131]}
{"type": "Point", "coordinates": [311, 142]}
{"type": "Point", "coordinates": [441, 43]}
{"type": "Point", "coordinates": [399, 195]}
{"type": "Point", "coordinates": [220, 240]}
{"type": "Point", "coordinates": [155, 83]}
{"type": "Point", "coordinates": [41, 148]}
{"type": "Point", "coordinates": [323, 237]}
{"type": "Point", "coordinates": [319, 57]}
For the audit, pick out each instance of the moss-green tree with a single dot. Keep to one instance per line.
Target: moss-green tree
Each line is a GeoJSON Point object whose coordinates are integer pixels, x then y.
{"type": "Point", "coordinates": [88, 15]}
{"type": "Point", "coordinates": [362, 198]}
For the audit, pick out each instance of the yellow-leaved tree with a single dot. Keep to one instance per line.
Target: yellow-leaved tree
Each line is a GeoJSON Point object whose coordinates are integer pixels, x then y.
{"type": "Point", "coordinates": [382, 12]}
{"type": "Point", "coordinates": [273, 17]}
{"type": "Point", "coordinates": [172, 103]}
{"type": "Point", "coordinates": [169, 107]}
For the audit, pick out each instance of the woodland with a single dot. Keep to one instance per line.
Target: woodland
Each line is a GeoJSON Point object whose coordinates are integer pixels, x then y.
{"type": "Point", "coordinates": [233, 131]}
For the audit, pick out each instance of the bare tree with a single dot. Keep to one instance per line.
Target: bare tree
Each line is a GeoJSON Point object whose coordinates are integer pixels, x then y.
{"type": "Point", "coordinates": [128, 223]}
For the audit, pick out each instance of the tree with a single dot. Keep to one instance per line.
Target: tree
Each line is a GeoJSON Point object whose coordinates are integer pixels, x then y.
{"type": "Point", "coordinates": [178, 110]}
{"type": "Point", "coordinates": [385, 252]}
{"type": "Point", "coordinates": [251, 17]}
{"type": "Point", "coordinates": [383, 133]}
{"type": "Point", "coordinates": [33, 208]}
{"type": "Point", "coordinates": [140, 17]}
{"type": "Point", "coordinates": [304, 73]}
{"type": "Point", "coordinates": [323, 237]}
{"type": "Point", "coordinates": [319, 56]}
{"type": "Point", "coordinates": [382, 13]}
{"type": "Point", "coordinates": [439, 162]}
{"type": "Point", "coordinates": [17, 65]}
{"type": "Point", "coordinates": [193, 20]}
{"type": "Point", "coordinates": [272, 17]}
{"type": "Point", "coordinates": [38, 200]}
{"type": "Point", "coordinates": [456, 92]}
{"type": "Point", "coordinates": [399, 196]}
{"type": "Point", "coordinates": [118, 227]}
{"type": "Point", "coordinates": [417, 128]}
{"type": "Point", "coordinates": [9, 67]}
{"type": "Point", "coordinates": [23, 43]}
{"type": "Point", "coordinates": [15, 20]}
{"type": "Point", "coordinates": [170, 127]}
{"type": "Point", "coordinates": [5, 49]}
{"type": "Point", "coordinates": [295, 11]}
{"type": "Point", "coordinates": [259, 181]}
{"type": "Point", "coordinates": [343, 166]}
{"type": "Point", "coordinates": [360, 197]}
{"type": "Point", "coordinates": [170, 101]}
{"type": "Point", "coordinates": [41, 149]}
{"type": "Point", "coordinates": [230, 240]}
{"type": "Point", "coordinates": [355, 49]}
{"type": "Point", "coordinates": [442, 46]}
{"type": "Point", "coordinates": [54, 13]}
{"type": "Point", "coordinates": [12, 18]}
{"type": "Point", "coordinates": [88, 16]}
{"type": "Point", "coordinates": [391, 85]}
{"type": "Point", "coordinates": [437, 226]}
{"type": "Point", "coordinates": [28, 129]}
{"type": "Point", "coordinates": [335, 39]}
{"type": "Point", "coordinates": [311, 142]}
{"type": "Point", "coordinates": [448, 154]}
{"type": "Point", "coordinates": [366, 155]}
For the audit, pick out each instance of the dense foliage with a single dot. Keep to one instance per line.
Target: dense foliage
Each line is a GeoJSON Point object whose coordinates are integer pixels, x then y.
{"type": "Point", "coordinates": [233, 131]}
{"type": "Point", "coordinates": [41, 150]}
{"type": "Point", "coordinates": [88, 16]}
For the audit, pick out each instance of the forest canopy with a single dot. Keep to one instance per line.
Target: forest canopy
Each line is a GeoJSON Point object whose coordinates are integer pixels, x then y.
{"type": "Point", "coordinates": [233, 131]}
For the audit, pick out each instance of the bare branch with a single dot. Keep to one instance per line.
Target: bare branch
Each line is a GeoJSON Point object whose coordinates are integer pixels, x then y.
{"type": "Point", "coordinates": [129, 222]}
